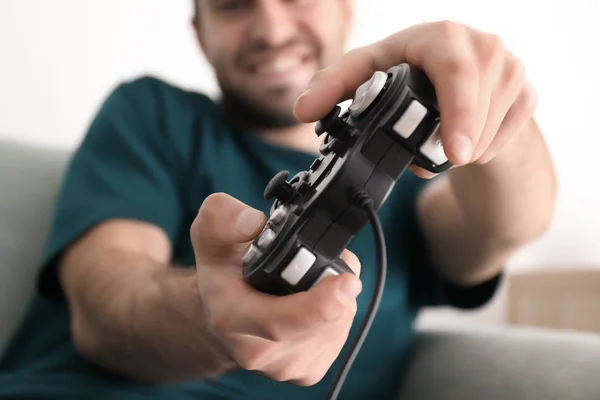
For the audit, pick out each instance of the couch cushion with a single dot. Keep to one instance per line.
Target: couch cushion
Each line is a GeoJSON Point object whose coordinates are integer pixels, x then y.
{"type": "Point", "coordinates": [29, 180]}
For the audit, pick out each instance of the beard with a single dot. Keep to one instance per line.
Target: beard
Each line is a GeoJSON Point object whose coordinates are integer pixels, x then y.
{"type": "Point", "coordinates": [243, 111]}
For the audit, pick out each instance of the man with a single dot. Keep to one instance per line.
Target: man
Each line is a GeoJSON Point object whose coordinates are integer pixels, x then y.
{"type": "Point", "coordinates": [167, 179]}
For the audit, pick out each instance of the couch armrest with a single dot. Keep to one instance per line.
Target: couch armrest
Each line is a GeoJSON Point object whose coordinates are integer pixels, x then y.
{"type": "Point", "coordinates": [30, 178]}
{"type": "Point", "coordinates": [504, 363]}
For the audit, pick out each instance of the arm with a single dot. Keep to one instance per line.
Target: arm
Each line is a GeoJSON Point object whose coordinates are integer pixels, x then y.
{"type": "Point", "coordinates": [121, 206]}
{"type": "Point", "coordinates": [502, 192]}
{"type": "Point", "coordinates": [477, 216]}
{"type": "Point", "coordinates": [134, 314]}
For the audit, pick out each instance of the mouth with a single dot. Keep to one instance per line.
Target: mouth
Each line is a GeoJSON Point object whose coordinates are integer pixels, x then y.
{"type": "Point", "coordinates": [281, 66]}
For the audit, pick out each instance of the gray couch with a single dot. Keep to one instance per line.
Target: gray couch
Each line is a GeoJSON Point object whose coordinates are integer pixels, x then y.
{"type": "Point", "coordinates": [446, 364]}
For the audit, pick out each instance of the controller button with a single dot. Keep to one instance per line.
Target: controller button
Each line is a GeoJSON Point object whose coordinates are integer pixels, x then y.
{"type": "Point", "coordinates": [325, 274]}
{"type": "Point", "coordinates": [330, 122]}
{"type": "Point", "coordinates": [266, 238]}
{"type": "Point", "coordinates": [366, 93]}
{"type": "Point", "coordinates": [298, 267]}
{"type": "Point", "coordinates": [250, 254]}
{"type": "Point", "coordinates": [279, 188]}
{"type": "Point", "coordinates": [316, 164]}
{"type": "Point", "coordinates": [278, 215]}
{"type": "Point", "coordinates": [433, 149]}
{"type": "Point", "coordinates": [410, 119]}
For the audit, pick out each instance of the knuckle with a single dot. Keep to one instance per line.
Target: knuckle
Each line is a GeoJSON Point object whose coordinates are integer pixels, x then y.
{"type": "Point", "coordinates": [530, 100]}
{"type": "Point", "coordinates": [208, 215]}
{"type": "Point", "coordinates": [352, 309]}
{"type": "Point", "coordinates": [252, 357]}
{"type": "Point", "coordinates": [329, 309]}
{"type": "Point", "coordinates": [311, 379]}
{"type": "Point", "coordinates": [290, 372]}
{"type": "Point", "coordinates": [273, 332]}
{"type": "Point", "coordinates": [210, 207]}
{"type": "Point", "coordinates": [218, 322]}
{"type": "Point", "coordinates": [514, 71]}
{"type": "Point", "coordinates": [460, 64]}
{"type": "Point", "coordinates": [490, 48]}
{"type": "Point", "coordinates": [493, 41]}
{"type": "Point", "coordinates": [450, 29]}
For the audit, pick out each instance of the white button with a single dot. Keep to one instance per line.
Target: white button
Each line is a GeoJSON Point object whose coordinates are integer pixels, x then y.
{"type": "Point", "coordinates": [297, 268]}
{"type": "Point", "coordinates": [366, 93]}
{"type": "Point", "coordinates": [266, 238]}
{"type": "Point", "coordinates": [278, 215]}
{"type": "Point", "coordinates": [250, 254]}
{"type": "Point", "coordinates": [410, 119]}
{"type": "Point", "coordinates": [326, 274]}
{"type": "Point", "coordinates": [433, 148]}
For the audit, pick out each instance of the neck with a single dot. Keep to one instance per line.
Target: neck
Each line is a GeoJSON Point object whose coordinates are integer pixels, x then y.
{"type": "Point", "coordinates": [301, 137]}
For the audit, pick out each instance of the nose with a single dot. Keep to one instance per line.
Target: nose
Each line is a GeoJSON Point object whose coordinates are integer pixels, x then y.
{"type": "Point", "coordinates": [274, 23]}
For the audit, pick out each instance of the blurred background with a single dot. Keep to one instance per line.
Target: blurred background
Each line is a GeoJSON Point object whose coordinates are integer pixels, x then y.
{"type": "Point", "coordinates": [59, 59]}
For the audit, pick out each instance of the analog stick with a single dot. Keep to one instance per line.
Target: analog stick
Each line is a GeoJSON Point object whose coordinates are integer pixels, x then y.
{"type": "Point", "coordinates": [279, 188]}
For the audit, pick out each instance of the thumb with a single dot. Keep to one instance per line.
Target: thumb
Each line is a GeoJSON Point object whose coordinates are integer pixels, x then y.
{"type": "Point", "coordinates": [222, 228]}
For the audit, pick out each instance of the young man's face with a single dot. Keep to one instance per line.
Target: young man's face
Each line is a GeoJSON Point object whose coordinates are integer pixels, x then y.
{"type": "Point", "coordinates": [264, 52]}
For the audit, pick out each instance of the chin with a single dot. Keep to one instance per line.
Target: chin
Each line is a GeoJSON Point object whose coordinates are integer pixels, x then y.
{"type": "Point", "coordinates": [275, 110]}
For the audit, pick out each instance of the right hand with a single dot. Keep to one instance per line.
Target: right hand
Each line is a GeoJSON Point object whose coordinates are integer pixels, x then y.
{"type": "Point", "coordinates": [293, 338]}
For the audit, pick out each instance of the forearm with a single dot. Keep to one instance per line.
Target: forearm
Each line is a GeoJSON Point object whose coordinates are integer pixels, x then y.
{"type": "Point", "coordinates": [144, 320]}
{"type": "Point", "coordinates": [511, 199]}
{"type": "Point", "coordinates": [479, 215]}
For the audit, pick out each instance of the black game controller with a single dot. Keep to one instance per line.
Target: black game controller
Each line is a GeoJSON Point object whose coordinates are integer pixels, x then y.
{"type": "Point", "coordinates": [391, 124]}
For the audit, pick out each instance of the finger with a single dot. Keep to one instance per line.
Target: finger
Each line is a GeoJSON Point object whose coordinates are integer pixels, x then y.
{"type": "Point", "coordinates": [422, 172]}
{"type": "Point", "coordinates": [336, 83]}
{"type": "Point", "coordinates": [283, 318]}
{"type": "Point", "coordinates": [330, 351]}
{"type": "Point", "coordinates": [352, 261]}
{"type": "Point", "coordinates": [515, 120]}
{"type": "Point", "coordinates": [457, 84]}
{"type": "Point", "coordinates": [339, 81]}
{"type": "Point", "coordinates": [326, 302]}
{"type": "Point", "coordinates": [299, 367]}
{"type": "Point", "coordinates": [507, 83]}
{"type": "Point", "coordinates": [325, 348]}
{"type": "Point", "coordinates": [222, 227]}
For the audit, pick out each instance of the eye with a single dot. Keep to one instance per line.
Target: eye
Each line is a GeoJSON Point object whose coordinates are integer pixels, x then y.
{"type": "Point", "coordinates": [232, 6]}
{"type": "Point", "coordinates": [299, 1]}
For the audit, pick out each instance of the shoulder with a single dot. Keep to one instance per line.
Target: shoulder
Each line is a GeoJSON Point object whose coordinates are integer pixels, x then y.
{"type": "Point", "coordinates": [149, 93]}
{"type": "Point", "coordinates": [149, 109]}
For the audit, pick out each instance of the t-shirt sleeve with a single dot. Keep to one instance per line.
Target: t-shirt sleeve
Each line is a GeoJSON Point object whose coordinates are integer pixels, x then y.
{"type": "Point", "coordinates": [125, 167]}
{"type": "Point", "coordinates": [426, 286]}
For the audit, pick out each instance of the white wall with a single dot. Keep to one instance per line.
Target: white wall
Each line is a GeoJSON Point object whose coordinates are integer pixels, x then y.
{"type": "Point", "coordinates": [59, 59]}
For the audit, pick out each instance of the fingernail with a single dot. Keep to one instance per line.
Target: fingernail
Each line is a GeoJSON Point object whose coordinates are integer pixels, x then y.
{"type": "Point", "coordinates": [349, 289]}
{"type": "Point", "coordinates": [462, 149]}
{"type": "Point", "coordinates": [250, 221]}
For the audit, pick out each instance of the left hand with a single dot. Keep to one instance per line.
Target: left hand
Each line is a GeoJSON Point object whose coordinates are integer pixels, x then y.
{"type": "Point", "coordinates": [483, 95]}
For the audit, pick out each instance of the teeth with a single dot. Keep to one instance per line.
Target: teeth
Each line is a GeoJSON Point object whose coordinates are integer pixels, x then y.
{"type": "Point", "coordinates": [280, 65]}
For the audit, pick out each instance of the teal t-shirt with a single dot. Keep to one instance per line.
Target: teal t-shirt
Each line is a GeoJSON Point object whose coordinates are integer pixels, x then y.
{"type": "Point", "coordinates": [153, 153]}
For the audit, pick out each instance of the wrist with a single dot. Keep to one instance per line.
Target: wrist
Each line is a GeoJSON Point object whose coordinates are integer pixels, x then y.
{"type": "Point", "coordinates": [496, 198]}
{"type": "Point", "coordinates": [196, 351]}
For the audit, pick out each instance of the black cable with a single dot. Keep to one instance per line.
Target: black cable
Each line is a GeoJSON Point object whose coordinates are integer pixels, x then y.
{"type": "Point", "coordinates": [360, 198]}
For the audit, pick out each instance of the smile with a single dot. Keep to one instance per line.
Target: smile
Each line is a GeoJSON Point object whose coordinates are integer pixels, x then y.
{"type": "Point", "coordinates": [280, 65]}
